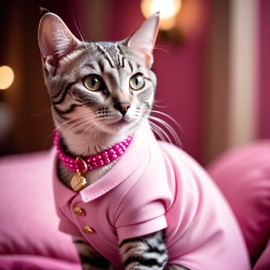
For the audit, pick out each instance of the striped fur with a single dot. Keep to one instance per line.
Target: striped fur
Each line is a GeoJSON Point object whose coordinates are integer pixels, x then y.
{"type": "Point", "coordinates": [148, 252]}
{"type": "Point", "coordinates": [91, 120]}
{"type": "Point", "coordinates": [143, 253]}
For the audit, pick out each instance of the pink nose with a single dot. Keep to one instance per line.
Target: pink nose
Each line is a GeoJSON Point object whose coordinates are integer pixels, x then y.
{"type": "Point", "coordinates": [122, 107]}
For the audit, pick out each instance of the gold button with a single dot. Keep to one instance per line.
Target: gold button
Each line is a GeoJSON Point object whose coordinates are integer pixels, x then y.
{"type": "Point", "coordinates": [88, 229]}
{"type": "Point", "coordinates": [79, 211]}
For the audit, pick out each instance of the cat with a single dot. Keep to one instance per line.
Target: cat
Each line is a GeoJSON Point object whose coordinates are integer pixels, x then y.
{"type": "Point", "coordinates": [129, 201]}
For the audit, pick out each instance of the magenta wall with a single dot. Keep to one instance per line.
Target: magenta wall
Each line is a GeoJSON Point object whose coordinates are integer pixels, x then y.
{"type": "Point", "coordinates": [264, 77]}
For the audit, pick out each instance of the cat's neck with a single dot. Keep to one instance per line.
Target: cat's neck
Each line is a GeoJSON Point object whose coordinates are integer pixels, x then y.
{"type": "Point", "coordinates": [86, 144]}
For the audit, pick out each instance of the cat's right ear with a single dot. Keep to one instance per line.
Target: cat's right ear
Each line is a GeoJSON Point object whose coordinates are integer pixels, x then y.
{"type": "Point", "coordinates": [54, 37]}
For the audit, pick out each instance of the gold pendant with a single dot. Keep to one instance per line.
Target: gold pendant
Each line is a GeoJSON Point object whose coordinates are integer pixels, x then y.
{"type": "Point", "coordinates": [78, 181]}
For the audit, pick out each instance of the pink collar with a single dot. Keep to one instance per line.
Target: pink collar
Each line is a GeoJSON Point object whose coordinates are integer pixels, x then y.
{"type": "Point", "coordinates": [91, 162]}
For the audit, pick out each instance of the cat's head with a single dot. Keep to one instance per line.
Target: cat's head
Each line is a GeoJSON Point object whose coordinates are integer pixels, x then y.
{"type": "Point", "coordinates": [102, 87]}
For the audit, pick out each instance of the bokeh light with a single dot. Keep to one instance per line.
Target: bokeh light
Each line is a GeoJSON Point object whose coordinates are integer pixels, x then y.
{"type": "Point", "coordinates": [168, 10]}
{"type": "Point", "coordinates": [6, 77]}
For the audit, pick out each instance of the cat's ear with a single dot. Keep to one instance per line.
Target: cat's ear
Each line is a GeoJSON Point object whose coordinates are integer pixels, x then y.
{"type": "Point", "coordinates": [54, 37]}
{"type": "Point", "coordinates": [143, 40]}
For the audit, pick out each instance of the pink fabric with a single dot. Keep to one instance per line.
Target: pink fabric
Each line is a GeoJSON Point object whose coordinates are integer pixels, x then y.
{"type": "Point", "coordinates": [263, 263]}
{"type": "Point", "coordinates": [29, 238]}
{"type": "Point", "coordinates": [244, 177]}
{"type": "Point", "coordinates": [164, 189]}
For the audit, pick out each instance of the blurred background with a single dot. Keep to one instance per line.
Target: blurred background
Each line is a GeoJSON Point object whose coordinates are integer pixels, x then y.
{"type": "Point", "coordinates": [211, 60]}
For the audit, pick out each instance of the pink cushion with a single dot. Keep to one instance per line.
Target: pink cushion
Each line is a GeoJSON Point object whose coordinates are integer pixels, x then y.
{"type": "Point", "coordinates": [264, 261]}
{"type": "Point", "coordinates": [244, 177]}
{"type": "Point", "coordinates": [29, 236]}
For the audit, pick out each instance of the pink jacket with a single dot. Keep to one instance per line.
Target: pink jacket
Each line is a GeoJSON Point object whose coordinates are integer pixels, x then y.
{"type": "Point", "coordinates": [155, 186]}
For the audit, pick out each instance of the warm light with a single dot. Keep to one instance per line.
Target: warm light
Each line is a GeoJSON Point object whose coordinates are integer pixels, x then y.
{"type": "Point", "coordinates": [6, 77]}
{"type": "Point", "coordinates": [168, 10]}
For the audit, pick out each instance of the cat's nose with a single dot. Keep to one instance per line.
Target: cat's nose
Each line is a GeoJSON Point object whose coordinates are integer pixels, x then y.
{"type": "Point", "coordinates": [122, 107]}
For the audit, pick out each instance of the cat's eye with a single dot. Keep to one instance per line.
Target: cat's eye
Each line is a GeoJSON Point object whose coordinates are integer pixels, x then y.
{"type": "Point", "coordinates": [137, 81]}
{"type": "Point", "coordinates": [93, 82]}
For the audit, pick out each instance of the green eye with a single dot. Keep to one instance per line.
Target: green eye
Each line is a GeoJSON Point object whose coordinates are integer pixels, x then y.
{"type": "Point", "coordinates": [137, 81]}
{"type": "Point", "coordinates": [93, 82]}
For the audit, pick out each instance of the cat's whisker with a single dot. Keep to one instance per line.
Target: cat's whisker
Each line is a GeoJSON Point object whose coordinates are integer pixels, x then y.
{"type": "Point", "coordinates": [77, 127]}
{"type": "Point", "coordinates": [156, 104]}
{"type": "Point", "coordinates": [75, 118]}
{"type": "Point", "coordinates": [85, 44]}
{"type": "Point", "coordinates": [157, 131]}
{"type": "Point", "coordinates": [46, 137]}
{"type": "Point", "coordinates": [76, 123]}
{"type": "Point", "coordinates": [41, 113]}
{"type": "Point", "coordinates": [165, 49]}
{"type": "Point", "coordinates": [89, 125]}
{"type": "Point", "coordinates": [166, 130]}
{"type": "Point", "coordinates": [163, 136]}
{"type": "Point", "coordinates": [163, 129]}
{"type": "Point", "coordinates": [79, 30]}
{"type": "Point", "coordinates": [168, 117]}
{"type": "Point", "coordinates": [97, 133]}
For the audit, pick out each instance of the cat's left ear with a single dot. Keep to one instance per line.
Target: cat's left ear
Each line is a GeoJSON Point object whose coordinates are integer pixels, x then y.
{"type": "Point", "coordinates": [144, 39]}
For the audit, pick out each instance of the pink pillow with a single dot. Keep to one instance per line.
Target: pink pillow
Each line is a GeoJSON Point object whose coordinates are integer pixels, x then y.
{"type": "Point", "coordinates": [29, 236]}
{"type": "Point", "coordinates": [244, 177]}
{"type": "Point", "coordinates": [264, 261]}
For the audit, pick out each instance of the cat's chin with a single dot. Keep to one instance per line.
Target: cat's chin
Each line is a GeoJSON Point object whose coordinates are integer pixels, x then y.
{"type": "Point", "coordinates": [122, 126]}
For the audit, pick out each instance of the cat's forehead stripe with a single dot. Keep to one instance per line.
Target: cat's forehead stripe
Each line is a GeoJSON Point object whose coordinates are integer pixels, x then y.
{"type": "Point", "coordinates": [130, 66]}
{"type": "Point", "coordinates": [113, 54]}
{"type": "Point", "coordinates": [106, 54]}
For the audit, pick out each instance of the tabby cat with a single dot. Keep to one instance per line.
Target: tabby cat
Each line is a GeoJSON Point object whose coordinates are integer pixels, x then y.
{"type": "Point", "coordinates": [116, 188]}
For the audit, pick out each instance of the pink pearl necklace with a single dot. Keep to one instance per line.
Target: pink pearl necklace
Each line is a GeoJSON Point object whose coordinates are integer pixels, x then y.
{"type": "Point", "coordinates": [94, 161]}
